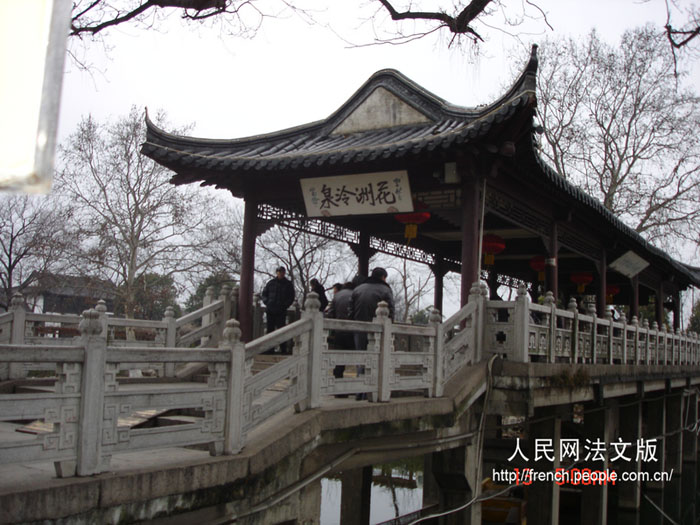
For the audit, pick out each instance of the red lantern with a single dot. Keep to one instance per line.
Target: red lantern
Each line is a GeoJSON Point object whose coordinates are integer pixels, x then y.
{"type": "Point", "coordinates": [581, 279]}
{"type": "Point", "coordinates": [537, 264]}
{"type": "Point", "coordinates": [492, 245]}
{"type": "Point", "coordinates": [412, 220]}
{"type": "Point", "coordinates": [611, 291]}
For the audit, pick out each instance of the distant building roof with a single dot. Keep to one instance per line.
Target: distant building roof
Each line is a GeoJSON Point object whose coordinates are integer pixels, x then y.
{"type": "Point", "coordinates": [69, 285]}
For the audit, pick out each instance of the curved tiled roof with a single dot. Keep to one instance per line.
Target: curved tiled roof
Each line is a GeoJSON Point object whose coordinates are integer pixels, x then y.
{"type": "Point", "coordinates": [316, 146]}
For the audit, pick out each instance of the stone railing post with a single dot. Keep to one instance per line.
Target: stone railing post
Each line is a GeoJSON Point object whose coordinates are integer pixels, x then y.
{"type": "Point", "coordinates": [635, 324]}
{"type": "Point", "coordinates": [234, 301]}
{"type": "Point", "coordinates": [101, 308]}
{"type": "Point", "coordinates": [609, 319]}
{"type": "Point", "coordinates": [438, 352]}
{"type": "Point", "coordinates": [225, 296]}
{"type": "Point", "coordinates": [234, 439]}
{"type": "Point", "coordinates": [295, 313]}
{"type": "Point", "coordinates": [550, 303]}
{"type": "Point", "coordinates": [647, 345]}
{"type": "Point", "coordinates": [522, 326]}
{"type": "Point", "coordinates": [385, 343]}
{"type": "Point", "coordinates": [475, 296]}
{"type": "Point", "coordinates": [90, 459]}
{"type": "Point", "coordinates": [19, 318]}
{"type": "Point", "coordinates": [170, 338]}
{"type": "Point", "coordinates": [208, 318]}
{"type": "Point", "coordinates": [481, 332]}
{"type": "Point", "coordinates": [312, 310]}
{"type": "Point", "coordinates": [655, 328]}
{"type": "Point", "coordinates": [590, 310]}
{"type": "Point", "coordinates": [573, 308]}
{"type": "Point", "coordinates": [679, 336]}
{"type": "Point", "coordinates": [257, 317]}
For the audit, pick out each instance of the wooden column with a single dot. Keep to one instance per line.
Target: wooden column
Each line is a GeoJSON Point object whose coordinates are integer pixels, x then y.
{"type": "Point", "coordinates": [245, 298]}
{"type": "Point", "coordinates": [363, 254]}
{"type": "Point", "coordinates": [676, 310]}
{"type": "Point", "coordinates": [439, 273]}
{"type": "Point", "coordinates": [471, 229]}
{"type": "Point", "coordinates": [634, 299]}
{"type": "Point", "coordinates": [602, 284]}
{"type": "Point", "coordinates": [659, 306]}
{"type": "Point", "coordinates": [552, 264]}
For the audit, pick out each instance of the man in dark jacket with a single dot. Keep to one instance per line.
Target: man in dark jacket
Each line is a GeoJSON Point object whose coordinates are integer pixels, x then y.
{"type": "Point", "coordinates": [364, 300]}
{"type": "Point", "coordinates": [278, 295]}
{"type": "Point", "coordinates": [338, 309]}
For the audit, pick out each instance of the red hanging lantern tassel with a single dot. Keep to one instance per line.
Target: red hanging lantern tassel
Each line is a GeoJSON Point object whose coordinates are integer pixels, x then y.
{"type": "Point", "coordinates": [537, 264]}
{"type": "Point", "coordinates": [412, 220]}
{"type": "Point", "coordinates": [492, 245]}
{"type": "Point", "coordinates": [581, 279]}
{"type": "Point", "coordinates": [611, 291]}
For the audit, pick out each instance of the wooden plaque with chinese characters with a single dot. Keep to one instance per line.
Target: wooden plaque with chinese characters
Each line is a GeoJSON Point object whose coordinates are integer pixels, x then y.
{"type": "Point", "coordinates": [360, 194]}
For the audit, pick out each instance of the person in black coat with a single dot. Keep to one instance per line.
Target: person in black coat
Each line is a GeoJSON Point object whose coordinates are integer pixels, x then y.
{"type": "Point", "coordinates": [339, 310]}
{"type": "Point", "coordinates": [364, 300]}
{"type": "Point", "coordinates": [321, 291]}
{"type": "Point", "coordinates": [278, 295]}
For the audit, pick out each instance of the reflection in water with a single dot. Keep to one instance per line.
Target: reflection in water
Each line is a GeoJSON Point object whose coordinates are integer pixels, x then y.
{"type": "Point", "coordinates": [397, 489]}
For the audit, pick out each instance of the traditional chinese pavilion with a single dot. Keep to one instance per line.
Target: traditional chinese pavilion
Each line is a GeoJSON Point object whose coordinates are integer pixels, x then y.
{"type": "Point", "coordinates": [397, 161]}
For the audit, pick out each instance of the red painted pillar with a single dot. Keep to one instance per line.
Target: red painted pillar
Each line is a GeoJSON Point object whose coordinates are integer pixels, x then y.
{"type": "Point", "coordinates": [245, 297]}
{"type": "Point", "coordinates": [471, 229]}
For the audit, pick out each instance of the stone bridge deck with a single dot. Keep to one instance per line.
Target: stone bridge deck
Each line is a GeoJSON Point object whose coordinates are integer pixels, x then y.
{"type": "Point", "coordinates": [270, 442]}
{"type": "Point", "coordinates": [274, 473]}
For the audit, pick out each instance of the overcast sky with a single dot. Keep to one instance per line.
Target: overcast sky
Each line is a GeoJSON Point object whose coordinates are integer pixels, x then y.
{"type": "Point", "coordinates": [292, 73]}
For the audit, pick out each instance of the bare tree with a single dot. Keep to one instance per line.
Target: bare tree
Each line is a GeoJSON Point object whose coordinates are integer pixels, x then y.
{"type": "Point", "coordinates": [34, 239]}
{"type": "Point", "coordinates": [682, 26]}
{"type": "Point", "coordinates": [617, 123]}
{"type": "Point", "coordinates": [91, 17]}
{"type": "Point", "coordinates": [410, 282]}
{"type": "Point", "coordinates": [131, 220]}
{"type": "Point", "coordinates": [305, 257]}
{"type": "Point", "coordinates": [413, 19]}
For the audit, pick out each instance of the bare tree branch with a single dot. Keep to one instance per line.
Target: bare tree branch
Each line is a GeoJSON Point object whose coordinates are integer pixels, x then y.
{"type": "Point", "coordinates": [457, 24]}
{"type": "Point", "coordinates": [617, 123]}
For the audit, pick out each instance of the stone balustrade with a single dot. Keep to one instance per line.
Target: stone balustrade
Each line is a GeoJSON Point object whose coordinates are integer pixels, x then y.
{"type": "Point", "coordinates": [90, 408]}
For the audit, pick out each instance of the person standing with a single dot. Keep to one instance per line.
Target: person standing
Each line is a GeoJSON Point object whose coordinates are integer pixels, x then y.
{"type": "Point", "coordinates": [364, 300]}
{"type": "Point", "coordinates": [338, 309]}
{"type": "Point", "coordinates": [321, 291]}
{"type": "Point", "coordinates": [363, 307]}
{"type": "Point", "coordinates": [278, 295]}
